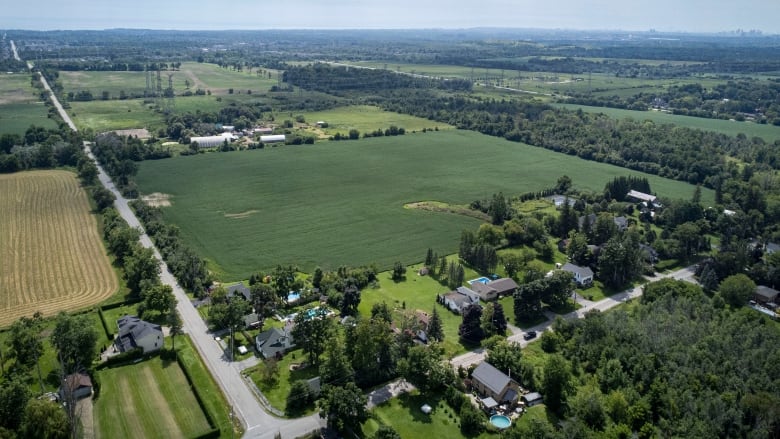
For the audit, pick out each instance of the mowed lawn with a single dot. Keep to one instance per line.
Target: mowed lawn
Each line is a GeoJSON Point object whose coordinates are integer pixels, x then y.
{"type": "Point", "coordinates": [150, 399]}
{"type": "Point", "coordinates": [341, 203]}
{"type": "Point", "coordinates": [52, 257]}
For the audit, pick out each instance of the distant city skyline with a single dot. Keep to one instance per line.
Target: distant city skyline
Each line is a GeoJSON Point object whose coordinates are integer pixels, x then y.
{"type": "Point", "coordinates": [627, 15]}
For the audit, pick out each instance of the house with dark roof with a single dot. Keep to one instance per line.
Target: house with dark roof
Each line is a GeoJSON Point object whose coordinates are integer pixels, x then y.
{"type": "Point", "coordinates": [504, 286]}
{"type": "Point", "coordinates": [765, 295]}
{"type": "Point", "coordinates": [274, 342]}
{"type": "Point", "coordinates": [239, 290]}
{"type": "Point", "coordinates": [459, 299]}
{"type": "Point", "coordinates": [485, 292]}
{"type": "Point", "coordinates": [621, 222]}
{"type": "Point", "coordinates": [78, 385]}
{"type": "Point", "coordinates": [590, 219]}
{"type": "Point", "coordinates": [582, 275]}
{"type": "Point", "coordinates": [491, 382]}
{"type": "Point", "coordinates": [252, 321]}
{"type": "Point", "coordinates": [135, 333]}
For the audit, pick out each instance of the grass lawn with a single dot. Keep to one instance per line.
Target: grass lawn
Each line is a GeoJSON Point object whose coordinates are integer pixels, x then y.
{"type": "Point", "coordinates": [418, 292]}
{"type": "Point", "coordinates": [276, 391]}
{"type": "Point", "coordinates": [20, 105]}
{"type": "Point", "coordinates": [103, 116]}
{"type": "Point", "coordinates": [769, 133]}
{"type": "Point", "coordinates": [364, 118]}
{"type": "Point", "coordinates": [341, 203]}
{"type": "Point", "coordinates": [147, 399]}
{"type": "Point", "coordinates": [404, 415]}
{"type": "Point", "coordinates": [213, 399]}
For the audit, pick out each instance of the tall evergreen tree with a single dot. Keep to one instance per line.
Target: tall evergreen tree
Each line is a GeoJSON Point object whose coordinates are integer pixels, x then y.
{"type": "Point", "coordinates": [470, 328]}
{"type": "Point", "coordinates": [435, 328]}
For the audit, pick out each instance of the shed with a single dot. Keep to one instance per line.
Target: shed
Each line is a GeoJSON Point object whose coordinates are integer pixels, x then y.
{"type": "Point", "coordinates": [532, 399]}
{"type": "Point", "coordinates": [78, 384]}
{"type": "Point", "coordinates": [765, 295]}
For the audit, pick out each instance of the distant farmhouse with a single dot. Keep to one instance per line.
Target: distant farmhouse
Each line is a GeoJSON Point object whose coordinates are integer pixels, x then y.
{"type": "Point", "coordinates": [136, 333]}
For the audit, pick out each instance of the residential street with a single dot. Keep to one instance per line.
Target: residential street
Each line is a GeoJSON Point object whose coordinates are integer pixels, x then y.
{"type": "Point", "coordinates": [478, 355]}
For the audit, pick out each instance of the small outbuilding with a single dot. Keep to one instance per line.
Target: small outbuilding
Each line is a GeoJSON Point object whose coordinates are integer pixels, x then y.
{"type": "Point", "coordinates": [765, 295]}
{"type": "Point", "coordinates": [273, 138]}
{"type": "Point", "coordinates": [78, 385]}
{"type": "Point", "coordinates": [427, 409]}
{"type": "Point", "coordinates": [532, 399]}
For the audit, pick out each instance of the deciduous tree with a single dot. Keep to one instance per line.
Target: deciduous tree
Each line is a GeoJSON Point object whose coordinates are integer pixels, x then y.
{"type": "Point", "coordinates": [343, 406]}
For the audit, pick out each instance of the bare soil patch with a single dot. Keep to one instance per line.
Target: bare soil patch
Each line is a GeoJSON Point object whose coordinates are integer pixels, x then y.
{"type": "Point", "coordinates": [157, 199]}
{"type": "Point", "coordinates": [141, 133]}
{"type": "Point", "coordinates": [241, 215]}
{"type": "Point", "coordinates": [438, 206]}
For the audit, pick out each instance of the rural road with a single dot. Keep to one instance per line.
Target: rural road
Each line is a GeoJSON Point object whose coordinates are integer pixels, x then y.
{"type": "Point", "coordinates": [257, 423]}
{"type": "Point", "coordinates": [476, 356]}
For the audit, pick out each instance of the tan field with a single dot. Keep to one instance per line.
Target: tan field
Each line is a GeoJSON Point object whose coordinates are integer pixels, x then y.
{"type": "Point", "coordinates": [51, 256]}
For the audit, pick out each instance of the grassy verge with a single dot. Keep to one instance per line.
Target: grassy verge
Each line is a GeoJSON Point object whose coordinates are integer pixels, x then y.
{"type": "Point", "coordinates": [211, 396]}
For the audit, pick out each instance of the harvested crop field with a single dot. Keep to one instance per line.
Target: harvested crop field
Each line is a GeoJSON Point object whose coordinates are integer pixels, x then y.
{"type": "Point", "coordinates": [51, 255]}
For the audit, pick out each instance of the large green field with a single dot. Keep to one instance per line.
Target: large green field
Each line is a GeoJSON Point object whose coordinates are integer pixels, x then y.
{"type": "Point", "coordinates": [364, 118]}
{"type": "Point", "coordinates": [148, 399]}
{"type": "Point", "coordinates": [343, 202]}
{"type": "Point", "coordinates": [769, 133]}
{"type": "Point", "coordinates": [20, 105]}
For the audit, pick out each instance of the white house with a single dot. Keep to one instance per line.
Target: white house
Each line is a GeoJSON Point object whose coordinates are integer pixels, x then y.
{"type": "Point", "coordinates": [136, 333]}
{"type": "Point", "coordinates": [582, 275]}
{"type": "Point", "coordinates": [459, 299]}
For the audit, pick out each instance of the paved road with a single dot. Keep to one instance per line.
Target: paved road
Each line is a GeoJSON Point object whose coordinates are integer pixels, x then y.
{"type": "Point", "coordinates": [478, 355]}
{"type": "Point", "coordinates": [256, 421]}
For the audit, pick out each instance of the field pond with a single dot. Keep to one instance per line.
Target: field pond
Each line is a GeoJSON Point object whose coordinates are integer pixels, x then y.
{"type": "Point", "coordinates": [343, 203]}
{"type": "Point", "coordinates": [52, 257]}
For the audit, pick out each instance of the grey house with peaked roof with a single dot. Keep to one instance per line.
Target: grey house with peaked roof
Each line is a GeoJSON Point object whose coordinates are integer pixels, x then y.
{"type": "Point", "coordinates": [273, 342]}
{"type": "Point", "coordinates": [489, 381]}
{"type": "Point", "coordinates": [582, 275]}
{"type": "Point", "coordinates": [136, 333]}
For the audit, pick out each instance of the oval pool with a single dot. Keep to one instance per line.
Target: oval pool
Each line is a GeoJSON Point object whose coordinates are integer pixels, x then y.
{"type": "Point", "coordinates": [500, 421]}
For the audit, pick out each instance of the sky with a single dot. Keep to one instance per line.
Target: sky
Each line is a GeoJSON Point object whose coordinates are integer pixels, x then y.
{"type": "Point", "coordinates": [629, 15]}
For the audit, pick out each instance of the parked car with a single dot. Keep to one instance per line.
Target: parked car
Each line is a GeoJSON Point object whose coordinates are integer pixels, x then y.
{"type": "Point", "coordinates": [529, 335]}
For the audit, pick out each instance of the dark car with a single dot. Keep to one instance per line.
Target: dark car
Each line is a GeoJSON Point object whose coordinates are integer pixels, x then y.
{"type": "Point", "coordinates": [529, 335]}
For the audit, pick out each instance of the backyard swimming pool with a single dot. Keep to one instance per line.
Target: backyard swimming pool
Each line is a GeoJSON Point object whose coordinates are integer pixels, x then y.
{"type": "Point", "coordinates": [482, 280]}
{"type": "Point", "coordinates": [501, 422]}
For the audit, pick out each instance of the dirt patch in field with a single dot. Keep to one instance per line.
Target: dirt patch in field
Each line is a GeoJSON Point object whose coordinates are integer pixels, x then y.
{"type": "Point", "coordinates": [15, 97]}
{"type": "Point", "coordinates": [157, 199]}
{"type": "Point", "coordinates": [438, 206]}
{"type": "Point", "coordinates": [241, 215]}
{"type": "Point", "coordinates": [141, 133]}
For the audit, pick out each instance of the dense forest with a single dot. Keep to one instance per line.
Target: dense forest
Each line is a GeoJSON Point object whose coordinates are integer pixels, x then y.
{"type": "Point", "coordinates": [679, 360]}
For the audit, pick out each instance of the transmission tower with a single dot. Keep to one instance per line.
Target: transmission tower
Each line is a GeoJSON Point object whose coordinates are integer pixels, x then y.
{"type": "Point", "coordinates": [159, 88]}
{"type": "Point", "coordinates": [169, 104]}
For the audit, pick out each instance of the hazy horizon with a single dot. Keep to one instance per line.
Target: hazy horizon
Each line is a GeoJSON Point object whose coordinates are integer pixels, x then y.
{"type": "Point", "coordinates": [626, 15]}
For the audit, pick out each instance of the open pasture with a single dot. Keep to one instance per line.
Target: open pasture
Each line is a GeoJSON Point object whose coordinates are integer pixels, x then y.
{"type": "Point", "coordinates": [342, 203]}
{"type": "Point", "coordinates": [20, 105]}
{"type": "Point", "coordinates": [150, 399]}
{"type": "Point", "coordinates": [769, 133]}
{"type": "Point", "coordinates": [364, 118]}
{"type": "Point", "coordinates": [51, 255]}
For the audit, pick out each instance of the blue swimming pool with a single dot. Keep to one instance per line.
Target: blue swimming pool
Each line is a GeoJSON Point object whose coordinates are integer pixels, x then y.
{"type": "Point", "coordinates": [293, 296]}
{"type": "Point", "coordinates": [501, 422]}
{"type": "Point", "coordinates": [482, 280]}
